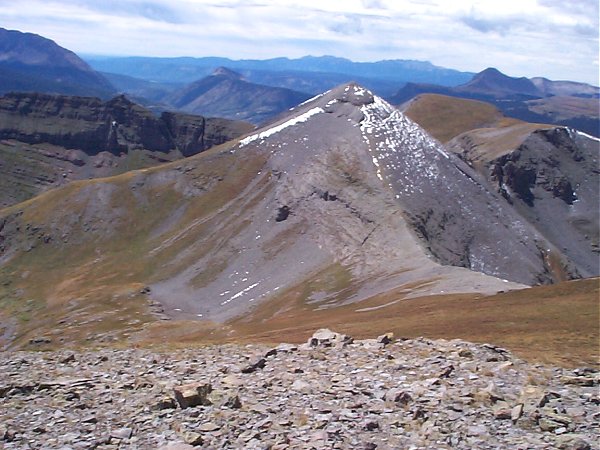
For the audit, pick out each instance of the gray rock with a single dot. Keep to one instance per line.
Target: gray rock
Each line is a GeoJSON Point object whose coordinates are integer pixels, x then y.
{"type": "Point", "coordinates": [327, 338]}
{"type": "Point", "coordinates": [572, 442]}
{"type": "Point", "coordinates": [121, 433]}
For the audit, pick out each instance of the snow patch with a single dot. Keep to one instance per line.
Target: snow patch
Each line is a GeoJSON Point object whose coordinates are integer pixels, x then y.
{"type": "Point", "coordinates": [239, 294]}
{"type": "Point", "coordinates": [593, 138]}
{"type": "Point", "coordinates": [271, 131]}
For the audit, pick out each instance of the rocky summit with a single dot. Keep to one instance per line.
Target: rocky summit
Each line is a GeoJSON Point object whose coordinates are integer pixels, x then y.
{"type": "Point", "coordinates": [332, 392]}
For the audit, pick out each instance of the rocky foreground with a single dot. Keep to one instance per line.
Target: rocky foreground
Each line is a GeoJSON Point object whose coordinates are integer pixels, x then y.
{"type": "Point", "coordinates": [332, 392]}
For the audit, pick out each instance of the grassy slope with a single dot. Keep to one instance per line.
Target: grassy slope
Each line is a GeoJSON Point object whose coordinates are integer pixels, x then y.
{"type": "Point", "coordinates": [84, 285]}
{"type": "Point", "coordinates": [556, 324]}
{"type": "Point", "coordinates": [445, 117]}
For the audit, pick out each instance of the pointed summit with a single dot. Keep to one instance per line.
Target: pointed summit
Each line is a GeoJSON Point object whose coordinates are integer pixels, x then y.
{"type": "Point", "coordinates": [226, 73]}
{"type": "Point", "coordinates": [492, 81]}
{"type": "Point", "coordinates": [226, 94]}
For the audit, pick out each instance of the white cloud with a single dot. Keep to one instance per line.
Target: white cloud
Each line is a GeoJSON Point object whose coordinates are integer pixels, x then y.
{"type": "Point", "coordinates": [553, 38]}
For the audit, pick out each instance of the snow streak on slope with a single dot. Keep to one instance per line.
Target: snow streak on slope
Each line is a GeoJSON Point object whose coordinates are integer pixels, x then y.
{"type": "Point", "coordinates": [276, 129]}
{"type": "Point", "coordinates": [461, 222]}
{"type": "Point", "coordinates": [398, 132]}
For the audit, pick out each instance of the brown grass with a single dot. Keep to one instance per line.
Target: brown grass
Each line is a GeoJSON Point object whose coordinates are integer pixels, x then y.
{"type": "Point", "coordinates": [446, 117]}
{"type": "Point", "coordinates": [556, 324]}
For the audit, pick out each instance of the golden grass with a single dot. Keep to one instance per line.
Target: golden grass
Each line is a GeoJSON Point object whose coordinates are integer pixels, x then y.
{"type": "Point", "coordinates": [446, 117]}
{"type": "Point", "coordinates": [556, 324]}
{"type": "Point", "coordinates": [72, 290]}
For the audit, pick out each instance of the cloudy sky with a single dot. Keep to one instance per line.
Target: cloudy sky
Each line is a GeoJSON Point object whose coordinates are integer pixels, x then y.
{"type": "Point", "coordinates": [553, 38]}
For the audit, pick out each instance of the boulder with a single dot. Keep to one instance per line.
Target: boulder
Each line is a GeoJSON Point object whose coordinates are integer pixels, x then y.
{"type": "Point", "coordinates": [327, 338]}
{"type": "Point", "coordinates": [195, 394]}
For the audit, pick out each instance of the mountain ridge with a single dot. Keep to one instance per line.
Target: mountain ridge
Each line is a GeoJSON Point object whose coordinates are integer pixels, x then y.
{"type": "Point", "coordinates": [227, 94]}
{"type": "Point", "coordinates": [343, 201]}
{"type": "Point", "coordinates": [575, 106]}
{"type": "Point", "coordinates": [48, 140]}
{"type": "Point", "coordinates": [29, 62]}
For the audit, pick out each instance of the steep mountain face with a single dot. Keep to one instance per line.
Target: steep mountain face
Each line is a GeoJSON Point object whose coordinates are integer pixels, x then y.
{"type": "Point", "coordinates": [344, 200]}
{"type": "Point", "coordinates": [46, 140]}
{"type": "Point", "coordinates": [553, 102]}
{"type": "Point", "coordinates": [226, 94]}
{"type": "Point", "coordinates": [551, 177]}
{"type": "Point", "coordinates": [31, 63]}
{"type": "Point", "coordinates": [548, 174]}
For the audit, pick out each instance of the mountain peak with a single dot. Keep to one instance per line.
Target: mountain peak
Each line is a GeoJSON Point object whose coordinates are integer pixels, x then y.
{"type": "Point", "coordinates": [492, 80]}
{"type": "Point", "coordinates": [30, 62]}
{"type": "Point", "coordinates": [227, 73]}
{"type": "Point", "coordinates": [350, 92]}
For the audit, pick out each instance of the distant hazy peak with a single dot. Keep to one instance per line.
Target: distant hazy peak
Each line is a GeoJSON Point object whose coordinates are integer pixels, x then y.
{"type": "Point", "coordinates": [491, 79]}
{"type": "Point", "coordinates": [228, 73]}
{"type": "Point", "coordinates": [32, 49]}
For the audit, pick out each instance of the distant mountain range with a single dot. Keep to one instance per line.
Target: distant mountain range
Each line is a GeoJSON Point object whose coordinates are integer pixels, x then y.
{"type": "Point", "coordinates": [308, 74]}
{"type": "Point", "coordinates": [259, 90]}
{"type": "Point", "coordinates": [536, 100]}
{"type": "Point", "coordinates": [31, 63]}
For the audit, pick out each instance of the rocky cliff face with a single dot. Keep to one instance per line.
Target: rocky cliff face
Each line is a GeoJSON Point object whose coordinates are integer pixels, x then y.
{"type": "Point", "coordinates": [50, 139]}
{"type": "Point", "coordinates": [551, 177]}
{"type": "Point", "coordinates": [91, 125]}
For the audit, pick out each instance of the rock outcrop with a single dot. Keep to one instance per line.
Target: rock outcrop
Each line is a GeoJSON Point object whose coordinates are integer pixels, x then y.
{"type": "Point", "coordinates": [48, 140]}
{"type": "Point", "coordinates": [115, 126]}
{"type": "Point", "coordinates": [551, 177]}
{"type": "Point", "coordinates": [416, 394]}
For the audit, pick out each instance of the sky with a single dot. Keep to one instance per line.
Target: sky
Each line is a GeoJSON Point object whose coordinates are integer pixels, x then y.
{"type": "Point", "coordinates": [557, 39]}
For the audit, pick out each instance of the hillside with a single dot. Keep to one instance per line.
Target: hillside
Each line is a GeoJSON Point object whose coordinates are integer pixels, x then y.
{"type": "Point", "coordinates": [343, 201]}
{"type": "Point", "coordinates": [49, 140]}
{"type": "Point", "coordinates": [226, 94]}
{"type": "Point", "coordinates": [548, 174]}
{"type": "Point", "coordinates": [32, 63]}
{"type": "Point", "coordinates": [551, 102]}
{"type": "Point", "coordinates": [445, 117]}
